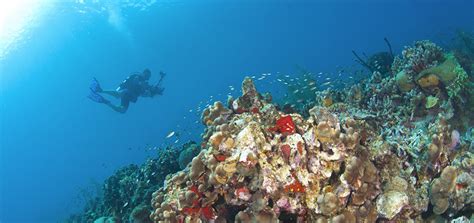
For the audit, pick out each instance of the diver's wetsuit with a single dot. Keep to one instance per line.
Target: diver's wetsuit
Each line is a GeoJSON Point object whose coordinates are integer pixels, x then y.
{"type": "Point", "coordinates": [131, 88]}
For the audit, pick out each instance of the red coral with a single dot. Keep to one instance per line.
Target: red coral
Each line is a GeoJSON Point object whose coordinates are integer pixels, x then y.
{"type": "Point", "coordinates": [242, 193]}
{"type": "Point", "coordinates": [284, 125]}
{"type": "Point", "coordinates": [208, 213]}
{"type": "Point", "coordinates": [239, 110]}
{"type": "Point", "coordinates": [220, 157]}
{"type": "Point", "coordinates": [295, 187]}
{"type": "Point", "coordinates": [300, 147]}
{"type": "Point", "coordinates": [286, 150]}
{"type": "Point", "coordinates": [191, 211]}
{"type": "Point", "coordinates": [195, 189]}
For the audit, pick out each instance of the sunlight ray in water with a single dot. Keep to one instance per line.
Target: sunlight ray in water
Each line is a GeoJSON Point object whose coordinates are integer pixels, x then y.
{"type": "Point", "coordinates": [16, 20]}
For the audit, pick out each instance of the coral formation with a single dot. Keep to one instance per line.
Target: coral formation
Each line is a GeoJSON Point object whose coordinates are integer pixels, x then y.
{"type": "Point", "coordinates": [396, 147]}
{"type": "Point", "coordinates": [189, 151]}
{"type": "Point", "coordinates": [126, 195]}
{"type": "Point", "coordinates": [332, 166]}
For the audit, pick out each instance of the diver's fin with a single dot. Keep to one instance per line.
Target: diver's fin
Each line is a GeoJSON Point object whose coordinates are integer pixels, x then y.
{"type": "Point", "coordinates": [95, 86]}
{"type": "Point", "coordinates": [97, 98]}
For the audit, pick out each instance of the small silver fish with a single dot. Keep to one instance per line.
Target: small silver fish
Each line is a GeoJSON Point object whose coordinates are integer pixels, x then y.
{"type": "Point", "coordinates": [171, 134]}
{"type": "Point", "coordinates": [296, 91]}
{"type": "Point", "coordinates": [326, 83]}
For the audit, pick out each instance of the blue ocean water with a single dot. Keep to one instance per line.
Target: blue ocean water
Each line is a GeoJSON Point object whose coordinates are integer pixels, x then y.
{"type": "Point", "coordinates": [54, 142]}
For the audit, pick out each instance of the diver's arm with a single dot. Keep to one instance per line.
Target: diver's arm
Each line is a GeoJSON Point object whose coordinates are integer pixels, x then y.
{"type": "Point", "coordinates": [147, 91]}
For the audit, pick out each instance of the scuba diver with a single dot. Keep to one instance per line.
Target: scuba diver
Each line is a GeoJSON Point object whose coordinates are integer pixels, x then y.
{"type": "Point", "coordinates": [128, 91]}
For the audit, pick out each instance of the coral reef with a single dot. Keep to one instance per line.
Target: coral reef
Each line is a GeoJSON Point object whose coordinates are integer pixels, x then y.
{"type": "Point", "coordinates": [127, 194]}
{"type": "Point", "coordinates": [374, 160]}
{"type": "Point", "coordinates": [379, 62]}
{"type": "Point", "coordinates": [395, 147]}
{"type": "Point", "coordinates": [189, 151]}
{"type": "Point", "coordinates": [299, 95]}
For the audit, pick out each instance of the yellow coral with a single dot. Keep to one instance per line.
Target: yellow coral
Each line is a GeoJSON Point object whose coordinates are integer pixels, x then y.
{"type": "Point", "coordinates": [428, 81]}
{"type": "Point", "coordinates": [431, 102]}
{"type": "Point", "coordinates": [325, 133]}
{"type": "Point", "coordinates": [327, 101]}
{"type": "Point", "coordinates": [450, 73]}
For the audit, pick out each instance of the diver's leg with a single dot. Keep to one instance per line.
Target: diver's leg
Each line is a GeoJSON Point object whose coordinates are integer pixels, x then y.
{"type": "Point", "coordinates": [118, 108]}
{"type": "Point", "coordinates": [113, 93]}
{"type": "Point", "coordinates": [122, 108]}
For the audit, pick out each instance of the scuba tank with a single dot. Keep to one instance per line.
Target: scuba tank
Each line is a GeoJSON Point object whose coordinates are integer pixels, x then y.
{"type": "Point", "coordinates": [129, 82]}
